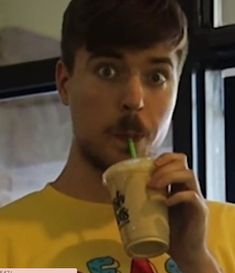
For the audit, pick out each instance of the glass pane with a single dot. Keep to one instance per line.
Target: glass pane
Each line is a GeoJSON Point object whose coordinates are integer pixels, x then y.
{"type": "Point", "coordinates": [35, 135]}
{"type": "Point", "coordinates": [220, 133]}
{"type": "Point", "coordinates": [30, 29]}
{"type": "Point", "coordinates": [215, 144]}
{"type": "Point", "coordinates": [224, 12]}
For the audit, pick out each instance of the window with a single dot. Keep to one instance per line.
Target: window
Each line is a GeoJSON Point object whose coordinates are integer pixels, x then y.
{"type": "Point", "coordinates": [214, 61]}
{"type": "Point", "coordinates": [34, 143]}
{"type": "Point", "coordinates": [224, 12]}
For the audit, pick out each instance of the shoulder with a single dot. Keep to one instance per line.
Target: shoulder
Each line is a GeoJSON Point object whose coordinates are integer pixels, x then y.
{"type": "Point", "coordinates": [215, 206]}
{"type": "Point", "coordinates": [24, 206]}
{"type": "Point", "coordinates": [221, 239]}
{"type": "Point", "coordinates": [221, 213]}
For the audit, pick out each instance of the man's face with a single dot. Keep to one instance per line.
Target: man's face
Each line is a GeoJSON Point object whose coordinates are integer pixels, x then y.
{"type": "Point", "coordinates": [115, 95]}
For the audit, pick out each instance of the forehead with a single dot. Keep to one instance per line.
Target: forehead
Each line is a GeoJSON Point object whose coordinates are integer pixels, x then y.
{"type": "Point", "coordinates": [163, 51]}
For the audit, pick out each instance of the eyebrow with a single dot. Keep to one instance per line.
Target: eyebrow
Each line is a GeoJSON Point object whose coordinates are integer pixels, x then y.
{"type": "Point", "coordinates": [105, 54]}
{"type": "Point", "coordinates": [161, 60]}
{"type": "Point", "coordinates": [119, 56]}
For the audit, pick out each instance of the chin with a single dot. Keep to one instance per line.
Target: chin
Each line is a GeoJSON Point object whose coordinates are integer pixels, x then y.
{"type": "Point", "coordinates": [117, 158]}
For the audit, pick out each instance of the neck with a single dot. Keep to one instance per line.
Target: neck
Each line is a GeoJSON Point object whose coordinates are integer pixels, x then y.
{"type": "Point", "coordinates": [81, 180]}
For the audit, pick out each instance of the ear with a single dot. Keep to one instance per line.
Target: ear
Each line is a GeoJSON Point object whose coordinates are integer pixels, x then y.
{"type": "Point", "coordinates": [62, 81]}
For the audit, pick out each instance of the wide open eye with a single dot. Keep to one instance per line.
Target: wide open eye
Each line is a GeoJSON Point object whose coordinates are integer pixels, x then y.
{"type": "Point", "coordinates": [157, 78]}
{"type": "Point", "coordinates": [107, 72]}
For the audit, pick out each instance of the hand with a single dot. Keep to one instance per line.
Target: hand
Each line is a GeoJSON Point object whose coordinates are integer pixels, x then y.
{"type": "Point", "coordinates": [188, 211]}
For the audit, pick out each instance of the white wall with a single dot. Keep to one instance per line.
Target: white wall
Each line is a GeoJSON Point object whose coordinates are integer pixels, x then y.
{"type": "Point", "coordinates": [228, 12]}
{"type": "Point", "coordinates": [45, 17]}
{"type": "Point", "coordinates": [41, 16]}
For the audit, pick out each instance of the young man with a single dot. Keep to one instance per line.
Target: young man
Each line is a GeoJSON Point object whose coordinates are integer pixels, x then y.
{"type": "Point", "coordinates": [119, 74]}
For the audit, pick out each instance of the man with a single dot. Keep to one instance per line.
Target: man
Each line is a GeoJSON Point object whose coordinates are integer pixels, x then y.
{"type": "Point", "coordinates": [119, 73]}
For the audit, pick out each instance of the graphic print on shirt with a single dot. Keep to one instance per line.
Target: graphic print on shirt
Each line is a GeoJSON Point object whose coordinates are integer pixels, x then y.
{"type": "Point", "coordinates": [103, 265]}
{"type": "Point", "coordinates": [121, 212]}
{"type": "Point", "coordinates": [172, 267]}
{"type": "Point", "coordinates": [110, 265]}
{"type": "Point", "coordinates": [142, 266]}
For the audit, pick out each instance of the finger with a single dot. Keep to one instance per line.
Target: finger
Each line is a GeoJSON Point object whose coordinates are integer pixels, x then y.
{"type": "Point", "coordinates": [168, 157]}
{"type": "Point", "coordinates": [171, 167]}
{"type": "Point", "coordinates": [190, 197]}
{"type": "Point", "coordinates": [186, 179]}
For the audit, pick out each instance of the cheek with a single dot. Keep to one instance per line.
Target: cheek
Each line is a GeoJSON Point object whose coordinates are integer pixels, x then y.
{"type": "Point", "coordinates": [163, 105]}
{"type": "Point", "coordinates": [170, 106]}
{"type": "Point", "coordinates": [83, 110]}
{"type": "Point", "coordinates": [82, 99]}
{"type": "Point", "coordinates": [169, 99]}
{"type": "Point", "coordinates": [91, 112]}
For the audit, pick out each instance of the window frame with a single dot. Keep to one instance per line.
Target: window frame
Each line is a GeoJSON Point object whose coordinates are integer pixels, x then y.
{"type": "Point", "coordinates": [27, 78]}
{"type": "Point", "coordinates": [215, 51]}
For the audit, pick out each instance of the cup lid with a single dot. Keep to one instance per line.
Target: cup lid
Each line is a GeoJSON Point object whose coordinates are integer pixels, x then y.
{"type": "Point", "coordinates": [140, 164]}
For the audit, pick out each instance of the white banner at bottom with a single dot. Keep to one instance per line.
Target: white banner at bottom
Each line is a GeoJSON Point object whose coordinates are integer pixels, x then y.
{"type": "Point", "coordinates": [38, 270]}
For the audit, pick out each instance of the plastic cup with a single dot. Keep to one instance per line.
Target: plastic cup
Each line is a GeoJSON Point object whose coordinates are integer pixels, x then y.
{"type": "Point", "coordinates": [141, 213]}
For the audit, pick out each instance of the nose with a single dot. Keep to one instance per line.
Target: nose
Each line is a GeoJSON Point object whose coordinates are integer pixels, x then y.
{"type": "Point", "coordinates": [133, 97]}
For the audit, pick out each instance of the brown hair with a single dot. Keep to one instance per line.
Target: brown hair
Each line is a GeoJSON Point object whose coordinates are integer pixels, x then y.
{"type": "Point", "coordinates": [120, 23]}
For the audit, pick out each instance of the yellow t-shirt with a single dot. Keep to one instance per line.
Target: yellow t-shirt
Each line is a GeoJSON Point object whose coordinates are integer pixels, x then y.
{"type": "Point", "coordinates": [50, 229]}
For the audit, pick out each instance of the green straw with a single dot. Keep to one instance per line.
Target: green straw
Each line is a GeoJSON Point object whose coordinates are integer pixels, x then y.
{"type": "Point", "coordinates": [132, 149]}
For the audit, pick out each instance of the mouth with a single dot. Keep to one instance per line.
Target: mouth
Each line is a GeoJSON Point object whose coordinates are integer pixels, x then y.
{"type": "Point", "coordinates": [124, 136]}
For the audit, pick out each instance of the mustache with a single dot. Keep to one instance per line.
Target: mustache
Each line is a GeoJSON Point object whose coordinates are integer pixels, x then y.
{"type": "Point", "coordinates": [129, 123]}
